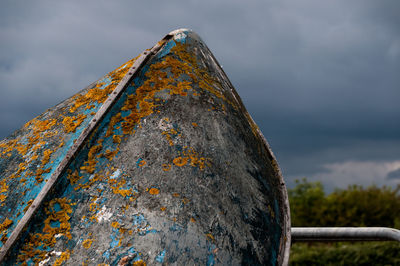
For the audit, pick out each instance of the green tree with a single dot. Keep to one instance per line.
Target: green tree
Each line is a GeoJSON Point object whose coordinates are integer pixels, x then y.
{"type": "Point", "coordinates": [305, 202]}
{"type": "Point", "coordinates": [354, 206]}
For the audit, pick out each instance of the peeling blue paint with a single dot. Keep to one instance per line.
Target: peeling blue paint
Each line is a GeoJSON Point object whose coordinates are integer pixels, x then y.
{"type": "Point", "coordinates": [160, 257]}
{"type": "Point", "coordinates": [106, 254]}
{"type": "Point", "coordinates": [138, 162]}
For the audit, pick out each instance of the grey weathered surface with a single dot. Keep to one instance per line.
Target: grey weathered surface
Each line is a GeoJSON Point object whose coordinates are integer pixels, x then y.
{"type": "Point", "coordinates": [176, 172]}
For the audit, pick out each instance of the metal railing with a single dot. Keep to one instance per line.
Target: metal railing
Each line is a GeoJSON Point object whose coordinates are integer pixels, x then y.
{"type": "Point", "coordinates": [310, 234]}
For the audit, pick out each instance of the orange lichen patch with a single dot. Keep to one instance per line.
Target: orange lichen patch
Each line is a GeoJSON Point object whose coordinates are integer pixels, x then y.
{"type": "Point", "coordinates": [180, 161]}
{"type": "Point", "coordinates": [40, 172]}
{"type": "Point", "coordinates": [46, 156]}
{"type": "Point", "coordinates": [142, 103]}
{"type": "Point", "coordinates": [90, 164]}
{"type": "Point", "coordinates": [57, 222]}
{"type": "Point", "coordinates": [93, 179]}
{"type": "Point", "coordinates": [21, 168]}
{"type": "Point", "coordinates": [3, 228]}
{"type": "Point", "coordinates": [63, 257]}
{"type": "Point", "coordinates": [125, 208]}
{"type": "Point", "coordinates": [195, 159]}
{"type": "Point", "coordinates": [210, 236]}
{"type": "Point", "coordinates": [166, 167]}
{"type": "Point", "coordinates": [90, 106]}
{"type": "Point", "coordinates": [110, 154]}
{"type": "Point", "coordinates": [170, 134]}
{"type": "Point", "coordinates": [194, 124]}
{"type": "Point", "coordinates": [192, 220]}
{"type": "Point", "coordinates": [28, 204]}
{"type": "Point", "coordinates": [116, 139]}
{"type": "Point", "coordinates": [185, 200]}
{"type": "Point", "coordinates": [34, 157]}
{"type": "Point", "coordinates": [181, 88]}
{"type": "Point", "coordinates": [175, 195]}
{"type": "Point", "coordinates": [163, 75]}
{"type": "Point", "coordinates": [87, 243]}
{"type": "Point", "coordinates": [98, 93]}
{"type": "Point", "coordinates": [206, 82]}
{"type": "Point", "coordinates": [163, 208]}
{"type": "Point", "coordinates": [142, 163]}
{"type": "Point", "coordinates": [3, 190]}
{"type": "Point", "coordinates": [115, 225]}
{"type": "Point", "coordinates": [73, 177]}
{"type": "Point", "coordinates": [50, 134]}
{"type": "Point", "coordinates": [93, 206]}
{"type": "Point", "coordinates": [139, 263]}
{"type": "Point", "coordinates": [72, 122]}
{"type": "Point", "coordinates": [154, 191]}
{"type": "Point", "coordinates": [116, 186]}
{"type": "Point", "coordinates": [113, 121]}
{"type": "Point", "coordinates": [11, 145]}
{"type": "Point", "coordinates": [44, 125]}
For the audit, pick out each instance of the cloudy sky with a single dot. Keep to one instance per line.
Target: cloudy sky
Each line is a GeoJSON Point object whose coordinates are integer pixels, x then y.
{"type": "Point", "coordinates": [321, 78]}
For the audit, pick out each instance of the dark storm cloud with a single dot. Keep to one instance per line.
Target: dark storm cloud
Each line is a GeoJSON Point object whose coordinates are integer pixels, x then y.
{"type": "Point", "coordinates": [320, 78]}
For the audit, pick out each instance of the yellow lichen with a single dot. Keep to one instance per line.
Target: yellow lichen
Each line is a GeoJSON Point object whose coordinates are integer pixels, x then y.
{"type": "Point", "coordinates": [139, 263]}
{"type": "Point", "coordinates": [166, 167]}
{"type": "Point", "coordinates": [3, 190]}
{"type": "Point", "coordinates": [113, 121]}
{"type": "Point", "coordinates": [90, 164]}
{"type": "Point", "coordinates": [72, 122]}
{"type": "Point", "coordinates": [28, 204]}
{"type": "Point", "coordinates": [185, 200]}
{"type": "Point", "coordinates": [101, 91]}
{"type": "Point", "coordinates": [180, 161]}
{"type": "Point", "coordinates": [170, 134]}
{"type": "Point", "coordinates": [63, 257]}
{"type": "Point", "coordinates": [115, 224]}
{"type": "Point", "coordinates": [74, 177]}
{"type": "Point", "coordinates": [46, 156]}
{"type": "Point", "coordinates": [210, 236]}
{"type": "Point", "coordinates": [3, 229]}
{"type": "Point", "coordinates": [110, 154]}
{"type": "Point", "coordinates": [116, 139]}
{"type": "Point", "coordinates": [87, 243]}
{"type": "Point", "coordinates": [142, 163]}
{"type": "Point", "coordinates": [154, 191]}
{"type": "Point", "coordinates": [57, 222]}
{"type": "Point", "coordinates": [116, 186]}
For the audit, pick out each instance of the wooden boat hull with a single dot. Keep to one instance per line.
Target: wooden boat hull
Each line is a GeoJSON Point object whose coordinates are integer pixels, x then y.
{"type": "Point", "coordinates": [175, 172]}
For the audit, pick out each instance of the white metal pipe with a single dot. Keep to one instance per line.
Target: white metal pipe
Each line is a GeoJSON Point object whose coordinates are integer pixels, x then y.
{"type": "Point", "coordinates": [308, 234]}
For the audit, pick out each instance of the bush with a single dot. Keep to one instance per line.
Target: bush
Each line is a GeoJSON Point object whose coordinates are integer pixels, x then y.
{"type": "Point", "coordinates": [345, 253]}
{"type": "Point", "coordinates": [354, 206]}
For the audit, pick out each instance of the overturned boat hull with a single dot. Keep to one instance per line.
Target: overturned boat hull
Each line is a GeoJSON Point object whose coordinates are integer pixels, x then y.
{"type": "Point", "coordinates": [156, 163]}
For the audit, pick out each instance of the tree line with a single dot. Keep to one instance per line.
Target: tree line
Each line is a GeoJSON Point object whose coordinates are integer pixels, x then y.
{"type": "Point", "coordinates": [354, 206]}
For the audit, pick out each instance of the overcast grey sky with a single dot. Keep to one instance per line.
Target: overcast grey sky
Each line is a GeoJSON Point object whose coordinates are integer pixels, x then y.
{"type": "Point", "coordinates": [321, 78]}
